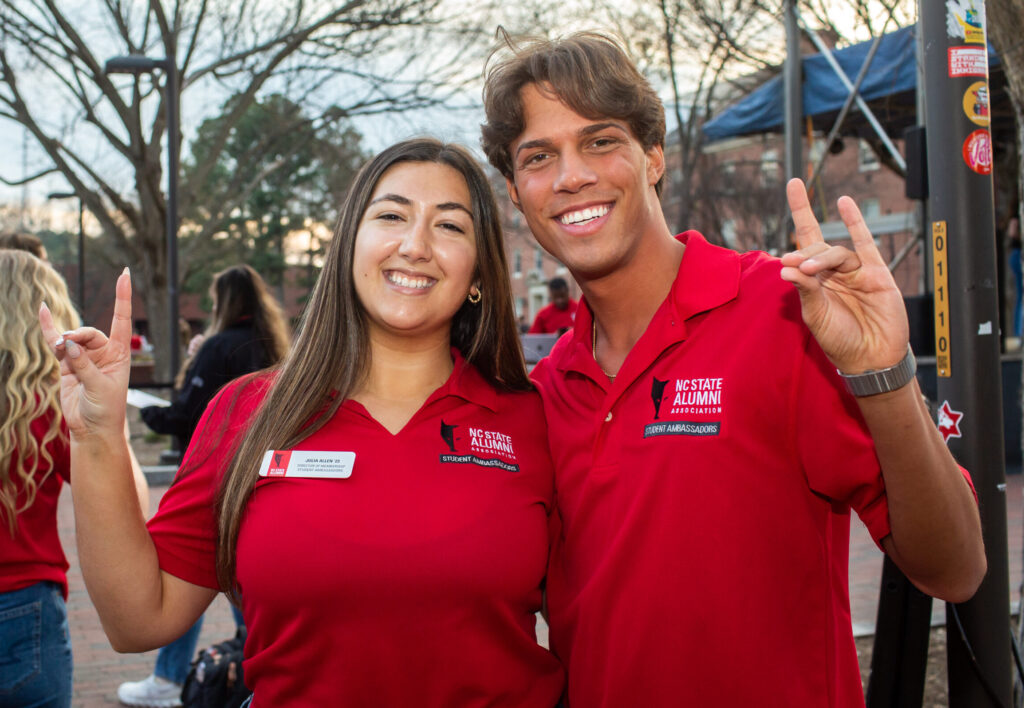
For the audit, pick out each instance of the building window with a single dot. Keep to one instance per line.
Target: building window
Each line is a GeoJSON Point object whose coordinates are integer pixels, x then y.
{"type": "Point", "coordinates": [538, 260]}
{"type": "Point", "coordinates": [867, 160]}
{"type": "Point", "coordinates": [517, 264]}
{"type": "Point", "coordinates": [770, 168]}
{"type": "Point", "coordinates": [729, 234]}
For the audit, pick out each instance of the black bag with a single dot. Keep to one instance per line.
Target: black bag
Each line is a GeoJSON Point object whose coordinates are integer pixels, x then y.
{"type": "Point", "coordinates": [215, 679]}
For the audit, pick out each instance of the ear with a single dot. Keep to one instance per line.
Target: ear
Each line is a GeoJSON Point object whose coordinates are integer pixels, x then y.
{"type": "Point", "coordinates": [513, 193]}
{"type": "Point", "coordinates": [655, 164]}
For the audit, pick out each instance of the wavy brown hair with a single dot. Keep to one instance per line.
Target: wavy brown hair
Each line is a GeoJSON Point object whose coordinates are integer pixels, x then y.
{"type": "Point", "coordinates": [330, 357]}
{"type": "Point", "coordinates": [29, 377]}
{"type": "Point", "coordinates": [588, 71]}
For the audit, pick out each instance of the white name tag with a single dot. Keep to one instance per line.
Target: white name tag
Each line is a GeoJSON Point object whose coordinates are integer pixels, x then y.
{"type": "Point", "coordinates": [308, 464]}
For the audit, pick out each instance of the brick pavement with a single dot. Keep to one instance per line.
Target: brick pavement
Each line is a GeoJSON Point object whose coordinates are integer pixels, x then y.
{"type": "Point", "coordinates": [98, 669]}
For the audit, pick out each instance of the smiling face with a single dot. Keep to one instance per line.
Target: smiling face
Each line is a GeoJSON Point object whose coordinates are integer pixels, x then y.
{"type": "Point", "coordinates": [586, 187]}
{"type": "Point", "coordinates": [415, 251]}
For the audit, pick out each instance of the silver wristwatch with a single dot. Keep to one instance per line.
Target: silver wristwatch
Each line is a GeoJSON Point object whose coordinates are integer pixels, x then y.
{"type": "Point", "coordinates": [871, 383]}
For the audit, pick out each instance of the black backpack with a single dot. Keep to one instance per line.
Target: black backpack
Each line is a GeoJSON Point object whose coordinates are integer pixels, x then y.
{"type": "Point", "coordinates": [215, 679]}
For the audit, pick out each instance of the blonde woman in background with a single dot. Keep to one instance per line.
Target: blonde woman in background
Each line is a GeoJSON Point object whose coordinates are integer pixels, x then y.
{"type": "Point", "coordinates": [35, 648]}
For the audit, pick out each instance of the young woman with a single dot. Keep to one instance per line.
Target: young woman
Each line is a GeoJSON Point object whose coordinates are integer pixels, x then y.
{"type": "Point", "coordinates": [35, 649]}
{"type": "Point", "coordinates": [248, 332]}
{"type": "Point", "coordinates": [380, 501]}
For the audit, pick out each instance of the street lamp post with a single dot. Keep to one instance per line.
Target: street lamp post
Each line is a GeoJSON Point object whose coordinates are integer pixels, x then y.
{"type": "Point", "coordinates": [81, 246]}
{"type": "Point", "coordinates": [138, 64]}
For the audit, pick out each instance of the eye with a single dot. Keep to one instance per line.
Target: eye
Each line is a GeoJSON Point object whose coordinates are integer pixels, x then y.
{"type": "Point", "coordinates": [388, 216]}
{"type": "Point", "coordinates": [604, 141]}
{"type": "Point", "coordinates": [451, 226]}
{"type": "Point", "coordinates": [535, 158]}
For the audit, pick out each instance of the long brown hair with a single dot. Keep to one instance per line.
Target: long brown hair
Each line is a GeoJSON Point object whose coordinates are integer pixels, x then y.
{"type": "Point", "coordinates": [331, 353]}
{"type": "Point", "coordinates": [29, 376]}
{"type": "Point", "coordinates": [239, 293]}
{"type": "Point", "coordinates": [588, 71]}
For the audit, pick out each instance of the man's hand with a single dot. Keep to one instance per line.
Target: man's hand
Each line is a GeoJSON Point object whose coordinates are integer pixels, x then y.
{"type": "Point", "coordinates": [849, 299]}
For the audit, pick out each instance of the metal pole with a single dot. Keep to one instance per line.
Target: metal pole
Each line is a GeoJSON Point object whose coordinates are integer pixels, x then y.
{"type": "Point", "coordinates": [963, 245]}
{"type": "Point", "coordinates": [173, 146]}
{"type": "Point", "coordinates": [81, 260]}
{"type": "Point", "coordinates": [792, 88]}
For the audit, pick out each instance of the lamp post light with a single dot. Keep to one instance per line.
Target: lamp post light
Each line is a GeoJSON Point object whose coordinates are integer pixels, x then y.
{"type": "Point", "coordinates": [138, 64]}
{"type": "Point", "coordinates": [81, 245]}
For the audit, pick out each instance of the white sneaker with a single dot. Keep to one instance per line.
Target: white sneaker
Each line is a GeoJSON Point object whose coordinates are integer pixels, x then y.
{"type": "Point", "coordinates": [150, 692]}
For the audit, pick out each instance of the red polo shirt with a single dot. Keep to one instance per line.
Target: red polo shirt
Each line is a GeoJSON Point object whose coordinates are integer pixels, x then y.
{"type": "Point", "coordinates": [551, 320]}
{"type": "Point", "coordinates": [705, 501]}
{"type": "Point", "coordinates": [414, 582]}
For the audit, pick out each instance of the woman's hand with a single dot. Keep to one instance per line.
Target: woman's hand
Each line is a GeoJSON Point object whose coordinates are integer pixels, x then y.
{"type": "Point", "coordinates": [94, 368]}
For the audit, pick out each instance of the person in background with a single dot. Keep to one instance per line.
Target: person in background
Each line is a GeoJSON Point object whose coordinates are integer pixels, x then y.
{"type": "Point", "coordinates": [380, 500]}
{"type": "Point", "coordinates": [21, 241]}
{"type": "Point", "coordinates": [35, 647]}
{"type": "Point", "coordinates": [247, 332]}
{"type": "Point", "coordinates": [558, 315]}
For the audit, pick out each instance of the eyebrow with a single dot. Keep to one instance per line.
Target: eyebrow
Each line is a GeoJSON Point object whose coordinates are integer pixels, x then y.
{"type": "Point", "coordinates": [582, 132]}
{"type": "Point", "coordinates": [398, 198]}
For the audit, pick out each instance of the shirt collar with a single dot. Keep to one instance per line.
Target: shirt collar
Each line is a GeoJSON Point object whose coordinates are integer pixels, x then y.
{"type": "Point", "coordinates": [708, 277]}
{"type": "Point", "coordinates": [467, 383]}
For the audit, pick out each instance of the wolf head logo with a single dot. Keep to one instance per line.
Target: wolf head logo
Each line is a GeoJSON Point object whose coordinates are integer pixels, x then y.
{"type": "Point", "coordinates": [448, 435]}
{"type": "Point", "coordinates": [657, 391]}
{"type": "Point", "coordinates": [277, 459]}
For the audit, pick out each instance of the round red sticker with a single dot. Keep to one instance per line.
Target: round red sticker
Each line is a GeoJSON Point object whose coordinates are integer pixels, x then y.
{"type": "Point", "coordinates": [978, 152]}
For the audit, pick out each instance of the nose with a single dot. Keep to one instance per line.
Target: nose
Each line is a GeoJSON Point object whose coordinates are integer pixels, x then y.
{"type": "Point", "coordinates": [415, 243]}
{"type": "Point", "coordinates": [573, 173]}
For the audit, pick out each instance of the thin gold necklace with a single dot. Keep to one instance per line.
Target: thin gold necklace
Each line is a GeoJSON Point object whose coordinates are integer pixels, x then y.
{"type": "Point", "coordinates": [593, 349]}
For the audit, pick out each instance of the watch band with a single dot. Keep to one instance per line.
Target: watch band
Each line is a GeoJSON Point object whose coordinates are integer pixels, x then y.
{"type": "Point", "coordinates": [872, 383]}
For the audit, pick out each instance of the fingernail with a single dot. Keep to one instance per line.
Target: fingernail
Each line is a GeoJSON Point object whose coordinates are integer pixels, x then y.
{"type": "Point", "coordinates": [45, 305]}
{"type": "Point", "coordinates": [125, 271]}
{"type": "Point", "coordinates": [60, 340]}
{"type": "Point", "coordinates": [67, 333]}
{"type": "Point", "coordinates": [72, 349]}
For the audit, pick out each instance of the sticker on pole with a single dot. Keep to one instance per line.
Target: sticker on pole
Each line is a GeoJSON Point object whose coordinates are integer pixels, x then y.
{"type": "Point", "coordinates": [949, 422]}
{"type": "Point", "coordinates": [968, 61]}
{"type": "Point", "coordinates": [978, 151]}
{"type": "Point", "coordinates": [965, 19]}
{"type": "Point", "coordinates": [976, 103]}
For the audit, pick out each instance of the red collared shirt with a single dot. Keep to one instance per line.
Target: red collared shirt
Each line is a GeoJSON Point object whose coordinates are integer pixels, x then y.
{"type": "Point", "coordinates": [705, 501]}
{"type": "Point", "coordinates": [412, 582]}
{"type": "Point", "coordinates": [34, 553]}
{"type": "Point", "coordinates": [551, 320]}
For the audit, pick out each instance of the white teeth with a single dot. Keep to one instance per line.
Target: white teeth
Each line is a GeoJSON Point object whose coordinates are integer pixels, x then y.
{"type": "Point", "coordinates": [583, 215]}
{"type": "Point", "coordinates": [407, 282]}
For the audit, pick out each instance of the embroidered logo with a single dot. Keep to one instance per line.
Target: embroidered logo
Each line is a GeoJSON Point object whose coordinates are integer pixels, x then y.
{"type": "Point", "coordinates": [448, 435]}
{"type": "Point", "coordinates": [694, 406]}
{"type": "Point", "coordinates": [487, 448]}
{"type": "Point", "coordinates": [657, 391]}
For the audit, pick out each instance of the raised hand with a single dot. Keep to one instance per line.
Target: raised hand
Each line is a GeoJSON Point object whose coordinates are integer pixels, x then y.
{"type": "Point", "coordinates": [94, 368]}
{"type": "Point", "coordinates": [849, 299]}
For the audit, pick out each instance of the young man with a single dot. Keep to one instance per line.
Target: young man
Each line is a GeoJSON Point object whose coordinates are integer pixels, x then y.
{"type": "Point", "coordinates": [558, 315]}
{"type": "Point", "coordinates": [708, 453]}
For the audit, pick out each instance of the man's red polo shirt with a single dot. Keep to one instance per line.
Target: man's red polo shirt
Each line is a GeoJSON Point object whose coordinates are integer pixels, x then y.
{"type": "Point", "coordinates": [705, 502]}
{"type": "Point", "coordinates": [551, 320]}
{"type": "Point", "coordinates": [413, 582]}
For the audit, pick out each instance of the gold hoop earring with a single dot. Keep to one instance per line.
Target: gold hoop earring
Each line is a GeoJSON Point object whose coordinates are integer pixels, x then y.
{"type": "Point", "coordinates": [475, 299]}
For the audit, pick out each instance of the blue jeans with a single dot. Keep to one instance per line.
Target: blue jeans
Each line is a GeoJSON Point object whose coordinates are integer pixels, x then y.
{"type": "Point", "coordinates": [35, 648]}
{"type": "Point", "coordinates": [174, 660]}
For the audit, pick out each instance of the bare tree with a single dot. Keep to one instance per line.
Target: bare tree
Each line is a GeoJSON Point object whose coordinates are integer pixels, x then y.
{"type": "Point", "coordinates": [105, 134]}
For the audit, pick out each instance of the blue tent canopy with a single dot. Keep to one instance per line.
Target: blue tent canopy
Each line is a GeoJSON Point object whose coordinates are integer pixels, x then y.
{"type": "Point", "coordinates": [891, 79]}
